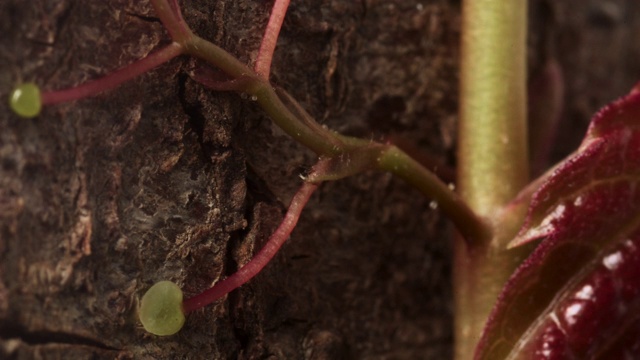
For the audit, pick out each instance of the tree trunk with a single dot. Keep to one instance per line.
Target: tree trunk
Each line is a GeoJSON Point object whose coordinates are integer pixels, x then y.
{"type": "Point", "coordinates": [164, 179]}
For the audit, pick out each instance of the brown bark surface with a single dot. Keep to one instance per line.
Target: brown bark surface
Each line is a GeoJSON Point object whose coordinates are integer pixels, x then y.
{"type": "Point", "coordinates": [163, 179]}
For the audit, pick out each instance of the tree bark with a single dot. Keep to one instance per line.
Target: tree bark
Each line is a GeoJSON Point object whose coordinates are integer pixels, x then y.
{"type": "Point", "coordinates": [162, 179]}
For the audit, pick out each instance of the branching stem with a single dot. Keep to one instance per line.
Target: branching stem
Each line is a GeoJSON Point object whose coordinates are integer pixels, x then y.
{"type": "Point", "coordinates": [474, 230]}
{"type": "Point", "coordinates": [341, 155]}
{"type": "Point", "coordinates": [350, 155]}
{"type": "Point", "coordinates": [171, 17]}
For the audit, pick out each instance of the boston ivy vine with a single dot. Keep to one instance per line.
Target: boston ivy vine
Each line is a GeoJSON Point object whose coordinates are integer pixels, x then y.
{"type": "Point", "coordinates": [586, 265]}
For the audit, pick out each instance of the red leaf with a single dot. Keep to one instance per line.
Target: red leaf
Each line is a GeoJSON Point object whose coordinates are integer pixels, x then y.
{"type": "Point", "coordinates": [578, 295]}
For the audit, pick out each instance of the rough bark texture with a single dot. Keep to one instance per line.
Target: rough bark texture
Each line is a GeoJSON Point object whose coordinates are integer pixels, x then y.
{"type": "Point", "coordinates": [162, 179]}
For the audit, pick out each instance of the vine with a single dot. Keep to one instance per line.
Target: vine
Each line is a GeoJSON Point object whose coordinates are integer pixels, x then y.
{"type": "Point", "coordinates": [339, 156]}
{"type": "Point", "coordinates": [493, 200]}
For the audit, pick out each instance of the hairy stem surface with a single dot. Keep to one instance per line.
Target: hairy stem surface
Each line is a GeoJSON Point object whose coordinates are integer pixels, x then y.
{"type": "Point", "coordinates": [492, 154]}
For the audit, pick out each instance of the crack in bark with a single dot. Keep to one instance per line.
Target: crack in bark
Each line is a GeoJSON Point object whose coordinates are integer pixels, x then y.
{"type": "Point", "coordinates": [145, 18]}
{"type": "Point", "coordinates": [48, 337]}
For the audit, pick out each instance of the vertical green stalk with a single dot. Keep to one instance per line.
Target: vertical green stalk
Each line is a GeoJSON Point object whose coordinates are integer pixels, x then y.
{"type": "Point", "coordinates": [492, 154]}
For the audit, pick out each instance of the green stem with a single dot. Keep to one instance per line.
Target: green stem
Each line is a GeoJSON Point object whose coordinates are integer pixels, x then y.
{"type": "Point", "coordinates": [292, 119]}
{"type": "Point", "coordinates": [215, 55]}
{"type": "Point", "coordinates": [470, 226]}
{"type": "Point", "coordinates": [321, 141]}
{"type": "Point", "coordinates": [493, 142]}
{"type": "Point", "coordinates": [492, 154]}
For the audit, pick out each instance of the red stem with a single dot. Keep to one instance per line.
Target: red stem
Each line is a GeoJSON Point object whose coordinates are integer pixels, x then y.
{"type": "Point", "coordinates": [171, 17]}
{"type": "Point", "coordinates": [268, 46]}
{"type": "Point", "coordinates": [115, 78]}
{"type": "Point", "coordinates": [260, 260]}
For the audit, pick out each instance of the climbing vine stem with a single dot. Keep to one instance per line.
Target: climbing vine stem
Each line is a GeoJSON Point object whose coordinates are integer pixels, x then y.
{"type": "Point", "coordinates": [340, 156]}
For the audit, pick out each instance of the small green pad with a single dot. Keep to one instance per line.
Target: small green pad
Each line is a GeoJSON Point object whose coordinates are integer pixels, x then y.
{"type": "Point", "coordinates": [25, 100]}
{"type": "Point", "coordinates": [161, 309]}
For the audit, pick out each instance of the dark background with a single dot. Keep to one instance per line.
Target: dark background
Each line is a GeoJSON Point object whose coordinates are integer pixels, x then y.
{"type": "Point", "coordinates": [163, 179]}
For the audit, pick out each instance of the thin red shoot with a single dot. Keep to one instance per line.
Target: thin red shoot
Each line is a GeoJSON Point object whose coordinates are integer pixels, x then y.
{"type": "Point", "coordinates": [253, 267]}
{"type": "Point", "coordinates": [171, 17]}
{"type": "Point", "coordinates": [270, 38]}
{"type": "Point", "coordinates": [114, 79]}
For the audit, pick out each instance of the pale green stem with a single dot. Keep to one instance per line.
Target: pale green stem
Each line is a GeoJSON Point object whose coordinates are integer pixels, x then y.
{"type": "Point", "coordinates": [291, 118]}
{"type": "Point", "coordinates": [385, 157]}
{"type": "Point", "coordinates": [322, 141]}
{"type": "Point", "coordinates": [471, 227]}
{"type": "Point", "coordinates": [294, 121]}
{"type": "Point", "coordinates": [492, 154]}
